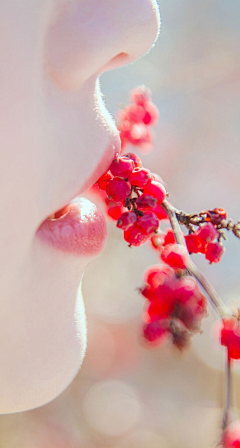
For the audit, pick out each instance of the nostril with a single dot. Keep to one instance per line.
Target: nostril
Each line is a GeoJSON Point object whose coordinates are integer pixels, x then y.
{"type": "Point", "coordinates": [117, 61]}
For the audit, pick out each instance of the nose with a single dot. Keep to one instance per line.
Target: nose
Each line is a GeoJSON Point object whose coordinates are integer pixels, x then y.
{"type": "Point", "coordinates": [85, 38]}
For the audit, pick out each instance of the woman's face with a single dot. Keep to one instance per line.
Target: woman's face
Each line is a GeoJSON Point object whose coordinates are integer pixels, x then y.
{"type": "Point", "coordinates": [57, 138]}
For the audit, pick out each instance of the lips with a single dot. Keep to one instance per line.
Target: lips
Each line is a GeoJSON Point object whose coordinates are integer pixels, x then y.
{"type": "Point", "coordinates": [79, 228]}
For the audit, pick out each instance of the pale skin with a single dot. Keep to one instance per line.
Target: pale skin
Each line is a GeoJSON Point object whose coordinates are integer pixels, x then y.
{"type": "Point", "coordinates": [54, 129]}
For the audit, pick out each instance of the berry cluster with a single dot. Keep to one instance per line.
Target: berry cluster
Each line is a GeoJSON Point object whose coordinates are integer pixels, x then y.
{"type": "Point", "coordinates": [135, 120]}
{"type": "Point", "coordinates": [175, 306]}
{"type": "Point", "coordinates": [136, 198]}
{"type": "Point", "coordinates": [138, 194]}
{"type": "Point", "coordinates": [200, 241]}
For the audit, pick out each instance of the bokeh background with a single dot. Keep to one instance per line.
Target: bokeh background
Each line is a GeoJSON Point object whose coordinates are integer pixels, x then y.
{"type": "Point", "coordinates": [126, 396]}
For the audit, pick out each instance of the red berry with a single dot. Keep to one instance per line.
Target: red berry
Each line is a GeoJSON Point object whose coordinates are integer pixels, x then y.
{"type": "Point", "coordinates": [217, 215]}
{"type": "Point", "coordinates": [231, 438]}
{"type": "Point", "coordinates": [157, 240]}
{"type": "Point", "coordinates": [140, 134]}
{"type": "Point", "coordinates": [140, 177]}
{"type": "Point", "coordinates": [137, 161]}
{"type": "Point", "coordinates": [151, 114]}
{"type": "Point", "coordinates": [135, 113]}
{"type": "Point", "coordinates": [192, 312]}
{"type": "Point", "coordinates": [214, 252]}
{"type": "Point", "coordinates": [148, 292]}
{"type": "Point", "coordinates": [118, 189]}
{"type": "Point", "coordinates": [193, 243]}
{"type": "Point", "coordinates": [155, 189]}
{"type": "Point", "coordinates": [125, 131]}
{"type": "Point", "coordinates": [126, 220]}
{"type": "Point", "coordinates": [135, 235]}
{"type": "Point", "coordinates": [207, 233]}
{"type": "Point", "coordinates": [161, 214]}
{"type": "Point", "coordinates": [146, 202]}
{"type": "Point", "coordinates": [158, 274]}
{"type": "Point", "coordinates": [169, 237]}
{"type": "Point", "coordinates": [122, 167]}
{"type": "Point", "coordinates": [156, 332]}
{"type": "Point", "coordinates": [140, 95]}
{"type": "Point", "coordinates": [163, 304]}
{"type": "Point", "coordinates": [176, 256]}
{"type": "Point", "coordinates": [114, 209]}
{"type": "Point", "coordinates": [148, 222]}
{"type": "Point", "coordinates": [104, 179]}
{"type": "Point", "coordinates": [230, 337]}
{"type": "Point", "coordinates": [186, 287]}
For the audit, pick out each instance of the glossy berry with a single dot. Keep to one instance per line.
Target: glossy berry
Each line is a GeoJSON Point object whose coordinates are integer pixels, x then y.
{"type": "Point", "coordinates": [122, 167]}
{"type": "Point", "coordinates": [230, 337]}
{"type": "Point", "coordinates": [135, 235]}
{"type": "Point", "coordinates": [140, 177]}
{"type": "Point", "coordinates": [157, 240]}
{"type": "Point", "coordinates": [169, 237]}
{"type": "Point", "coordinates": [114, 209]}
{"type": "Point", "coordinates": [214, 252]}
{"type": "Point", "coordinates": [126, 220]}
{"type": "Point", "coordinates": [193, 243]}
{"type": "Point", "coordinates": [148, 222]}
{"type": "Point", "coordinates": [176, 256]}
{"type": "Point", "coordinates": [146, 202]}
{"type": "Point", "coordinates": [118, 189]}
{"type": "Point", "coordinates": [206, 234]}
{"type": "Point", "coordinates": [231, 438]}
{"type": "Point", "coordinates": [137, 161]}
{"type": "Point", "coordinates": [104, 179]}
{"type": "Point", "coordinates": [156, 189]}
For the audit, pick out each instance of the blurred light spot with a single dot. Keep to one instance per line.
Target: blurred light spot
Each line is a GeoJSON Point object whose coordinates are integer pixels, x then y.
{"type": "Point", "coordinates": [112, 408]}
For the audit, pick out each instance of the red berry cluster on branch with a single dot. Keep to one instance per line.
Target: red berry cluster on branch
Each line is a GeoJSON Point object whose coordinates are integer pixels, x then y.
{"type": "Point", "coordinates": [136, 198]}
{"type": "Point", "coordinates": [204, 241]}
{"type": "Point", "coordinates": [129, 185]}
{"type": "Point", "coordinates": [135, 120]}
{"type": "Point", "coordinates": [175, 305]}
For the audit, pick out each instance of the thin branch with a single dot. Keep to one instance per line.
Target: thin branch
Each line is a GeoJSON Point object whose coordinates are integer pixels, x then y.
{"type": "Point", "coordinates": [226, 417]}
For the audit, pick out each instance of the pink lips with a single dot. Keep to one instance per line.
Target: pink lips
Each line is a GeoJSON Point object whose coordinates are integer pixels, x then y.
{"type": "Point", "coordinates": [82, 231]}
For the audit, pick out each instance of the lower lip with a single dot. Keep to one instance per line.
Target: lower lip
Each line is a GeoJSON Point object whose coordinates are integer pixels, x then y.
{"type": "Point", "coordinates": [82, 231]}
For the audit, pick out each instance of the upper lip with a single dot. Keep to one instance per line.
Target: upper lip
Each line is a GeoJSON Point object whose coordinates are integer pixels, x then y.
{"type": "Point", "coordinates": [113, 148]}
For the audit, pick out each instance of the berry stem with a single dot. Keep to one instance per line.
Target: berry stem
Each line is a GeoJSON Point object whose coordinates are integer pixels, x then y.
{"type": "Point", "coordinates": [215, 300]}
{"type": "Point", "coordinates": [226, 417]}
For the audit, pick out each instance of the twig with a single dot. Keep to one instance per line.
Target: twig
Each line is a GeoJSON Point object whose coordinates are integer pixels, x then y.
{"type": "Point", "coordinates": [226, 417]}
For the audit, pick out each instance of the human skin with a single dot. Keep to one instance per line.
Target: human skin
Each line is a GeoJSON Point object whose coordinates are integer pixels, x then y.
{"type": "Point", "coordinates": [54, 130]}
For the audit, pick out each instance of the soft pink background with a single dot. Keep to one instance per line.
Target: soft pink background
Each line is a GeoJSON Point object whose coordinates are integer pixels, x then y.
{"type": "Point", "coordinates": [124, 395]}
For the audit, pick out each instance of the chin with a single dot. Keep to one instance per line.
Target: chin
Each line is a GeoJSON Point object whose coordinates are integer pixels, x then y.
{"type": "Point", "coordinates": [32, 386]}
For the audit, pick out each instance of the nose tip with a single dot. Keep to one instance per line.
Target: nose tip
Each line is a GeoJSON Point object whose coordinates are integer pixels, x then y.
{"type": "Point", "coordinates": [92, 36]}
{"type": "Point", "coordinates": [138, 32]}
